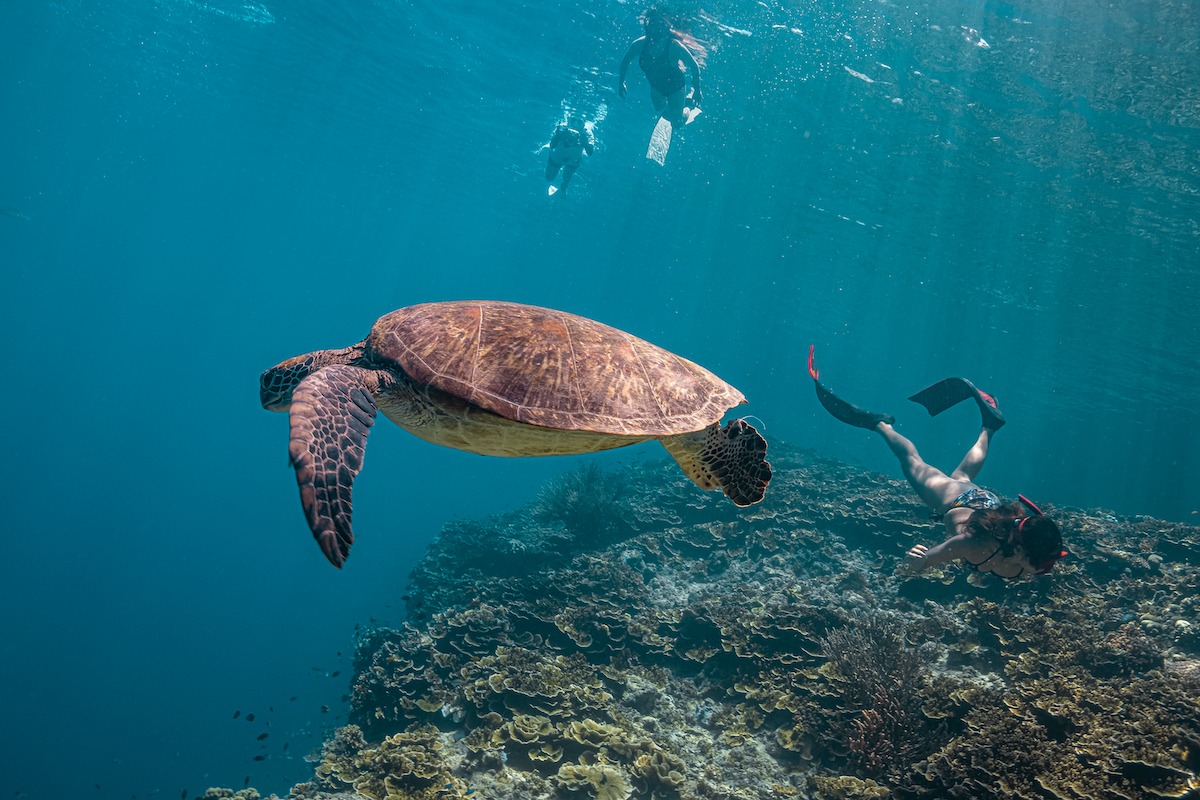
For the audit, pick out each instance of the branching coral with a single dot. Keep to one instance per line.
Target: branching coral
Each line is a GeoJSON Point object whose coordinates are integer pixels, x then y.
{"type": "Point", "coordinates": [587, 502]}
{"type": "Point", "coordinates": [879, 680]}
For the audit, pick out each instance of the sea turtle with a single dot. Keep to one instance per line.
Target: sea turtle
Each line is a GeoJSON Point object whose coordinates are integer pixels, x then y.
{"type": "Point", "coordinates": [503, 379]}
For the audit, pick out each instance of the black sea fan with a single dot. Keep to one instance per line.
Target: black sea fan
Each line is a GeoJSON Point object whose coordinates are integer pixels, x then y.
{"type": "Point", "coordinates": [586, 502]}
{"type": "Point", "coordinates": [881, 722]}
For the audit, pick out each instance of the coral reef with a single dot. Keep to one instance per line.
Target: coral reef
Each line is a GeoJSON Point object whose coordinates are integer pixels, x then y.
{"type": "Point", "coordinates": [586, 502]}
{"type": "Point", "coordinates": [626, 636]}
{"type": "Point", "coordinates": [879, 682]}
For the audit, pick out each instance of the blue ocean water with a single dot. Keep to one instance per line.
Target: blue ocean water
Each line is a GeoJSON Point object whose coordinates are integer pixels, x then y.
{"type": "Point", "coordinates": [194, 190]}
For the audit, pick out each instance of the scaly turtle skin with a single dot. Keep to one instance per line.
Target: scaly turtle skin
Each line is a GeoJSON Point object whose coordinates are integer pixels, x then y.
{"type": "Point", "coordinates": [503, 379]}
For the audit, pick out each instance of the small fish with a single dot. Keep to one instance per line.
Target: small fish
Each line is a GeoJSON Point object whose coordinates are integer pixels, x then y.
{"type": "Point", "coordinates": [250, 717]}
{"type": "Point", "coordinates": [271, 709]}
{"type": "Point", "coordinates": [470, 792]}
{"type": "Point", "coordinates": [335, 673]}
{"type": "Point", "coordinates": [97, 787]}
{"type": "Point", "coordinates": [293, 698]}
{"type": "Point", "coordinates": [324, 709]}
{"type": "Point", "coordinates": [15, 213]}
{"type": "Point", "coordinates": [262, 736]}
{"type": "Point", "coordinates": [246, 782]}
{"type": "Point", "coordinates": [260, 757]}
{"type": "Point", "coordinates": [237, 714]}
{"type": "Point", "coordinates": [345, 698]}
{"type": "Point", "coordinates": [285, 744]}
{"type": "Point", "coordinates": [183, 795]}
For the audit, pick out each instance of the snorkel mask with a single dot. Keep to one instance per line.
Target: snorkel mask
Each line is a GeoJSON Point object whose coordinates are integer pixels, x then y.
{"type": "Point", "coordinates": [1041, 567]}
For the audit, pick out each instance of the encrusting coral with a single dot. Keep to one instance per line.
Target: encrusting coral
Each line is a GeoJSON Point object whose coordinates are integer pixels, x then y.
{"type": "Point", "coordinates": [659, 643]}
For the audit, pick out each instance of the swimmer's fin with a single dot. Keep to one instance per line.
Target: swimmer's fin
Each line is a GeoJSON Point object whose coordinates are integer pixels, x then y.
{"type": "Point", "coordinates": [660, 141]}
{"type": "Point", "coordinates": [952, 391]}
{"type": "Point", "coordinates": [690, 114]}
{"type": "Point", "coordinates": [550, 190]}
{"type": "Point", "coordinates": [839, 408]}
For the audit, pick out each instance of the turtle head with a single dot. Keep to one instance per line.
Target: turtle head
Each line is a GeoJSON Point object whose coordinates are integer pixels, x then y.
{"type": "Point", "coordinates": [275, 385]}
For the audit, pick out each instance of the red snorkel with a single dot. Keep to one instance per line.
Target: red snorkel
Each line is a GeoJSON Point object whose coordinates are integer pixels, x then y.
{"type": "Point", "coordinates": [1032, 506]}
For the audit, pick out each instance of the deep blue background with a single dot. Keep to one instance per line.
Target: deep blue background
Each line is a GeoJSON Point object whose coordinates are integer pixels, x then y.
{"type": "Point", "coordinates": [214, 186]}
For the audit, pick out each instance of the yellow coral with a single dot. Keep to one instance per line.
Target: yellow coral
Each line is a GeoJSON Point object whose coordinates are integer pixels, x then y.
{"type": "Point", "coordinates": [601, 781]}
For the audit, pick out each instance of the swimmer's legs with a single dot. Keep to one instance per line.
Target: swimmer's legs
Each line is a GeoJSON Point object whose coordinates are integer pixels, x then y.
{"type": "Point", "coordinates": [973, 461]}
{"type": "Point", "coordinates": [669, 107]}
{"type": "Point", "coordinates": [935, 488]}
{"type": "Point", "coordinates": [568, 171]}
{"type": "Point", "coordinates": [659, 101]}
{"type": "Point", "coordinates": [675, 108]}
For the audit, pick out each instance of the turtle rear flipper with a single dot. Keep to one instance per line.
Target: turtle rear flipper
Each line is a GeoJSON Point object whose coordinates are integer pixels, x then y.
{"type": "Point", "coordinates": [732, 459]}
{"type": "Point", "coordinates": [331, 414]}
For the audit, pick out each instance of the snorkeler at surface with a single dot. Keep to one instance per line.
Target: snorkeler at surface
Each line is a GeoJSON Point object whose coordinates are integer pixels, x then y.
{"type": "Point", "coordinates": [570, 143]}
{"type": "Point", "coordinates": [989, 535]}
{"type": "Point", "coordinates": [666, 56]}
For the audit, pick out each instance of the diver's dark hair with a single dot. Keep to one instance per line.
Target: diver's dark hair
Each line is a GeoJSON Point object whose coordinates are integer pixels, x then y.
{"type": "Point", "coordinates": [1039, 536]}
{"type": "Point", "coordinates": [698, 49]}
{"type": "Point", "coordinates": [1042, 540]}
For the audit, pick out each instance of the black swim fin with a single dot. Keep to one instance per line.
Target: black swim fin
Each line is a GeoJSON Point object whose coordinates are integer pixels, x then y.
{"type": "Point", "coordinates": [952, 391]}
{"type": "Point", "coordinates": [839, 408]}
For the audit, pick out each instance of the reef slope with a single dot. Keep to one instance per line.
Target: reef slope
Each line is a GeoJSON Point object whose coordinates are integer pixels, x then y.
{"type": "Point", "coordinates": [626, 636]}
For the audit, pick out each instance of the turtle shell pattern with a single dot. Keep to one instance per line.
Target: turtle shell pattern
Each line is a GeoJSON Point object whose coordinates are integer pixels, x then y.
{"type": "Point", "coordinates": [548, 368]}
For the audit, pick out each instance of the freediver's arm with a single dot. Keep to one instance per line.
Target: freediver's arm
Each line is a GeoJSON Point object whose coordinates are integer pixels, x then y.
{"type": "Point", "coordinates": [922, 557]}
{"type": "Point", "coordinates": [633, 52]}
{"type": "Point", "coordinates": [693, 68]}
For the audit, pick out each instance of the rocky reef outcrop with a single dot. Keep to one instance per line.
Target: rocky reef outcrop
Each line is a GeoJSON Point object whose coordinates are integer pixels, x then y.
{"type": "Point", "coordinates": [627, 636]}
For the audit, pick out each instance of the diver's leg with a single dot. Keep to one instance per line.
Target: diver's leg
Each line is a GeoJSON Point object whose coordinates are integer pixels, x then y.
{"type": "Point", "coordinates": [552, 168]}
{"type": "Point", "coordinates": [659, 101]}
{"type": "Point", "coordinates": [973, 461]}
{"type": "Point", "coordinates": [568, 171]}
{"type": "Point", "coordinates": [675, 108]}
{"type": "Point", "coordinates": [935, 488]}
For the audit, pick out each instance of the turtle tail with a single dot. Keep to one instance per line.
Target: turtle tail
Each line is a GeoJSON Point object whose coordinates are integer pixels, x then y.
{"type": "Point", "coordinates": [732, 459]}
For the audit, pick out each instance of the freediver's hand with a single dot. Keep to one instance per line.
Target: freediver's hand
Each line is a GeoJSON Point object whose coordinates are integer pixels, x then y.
{"type": "Point", "coordinates": [913, 564]}
{"type": "Point", "coordinates": [697, 99]}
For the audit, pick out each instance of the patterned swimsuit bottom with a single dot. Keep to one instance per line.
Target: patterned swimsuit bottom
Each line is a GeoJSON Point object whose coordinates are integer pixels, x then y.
{"type": "Point", "coordinates": [975, 498]}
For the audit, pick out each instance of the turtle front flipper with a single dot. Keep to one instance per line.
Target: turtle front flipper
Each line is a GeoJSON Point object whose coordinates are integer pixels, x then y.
{"type": "Point", "coordinates": [732, 459]}
{"type": "Point", "coordinates": [332, 412]}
